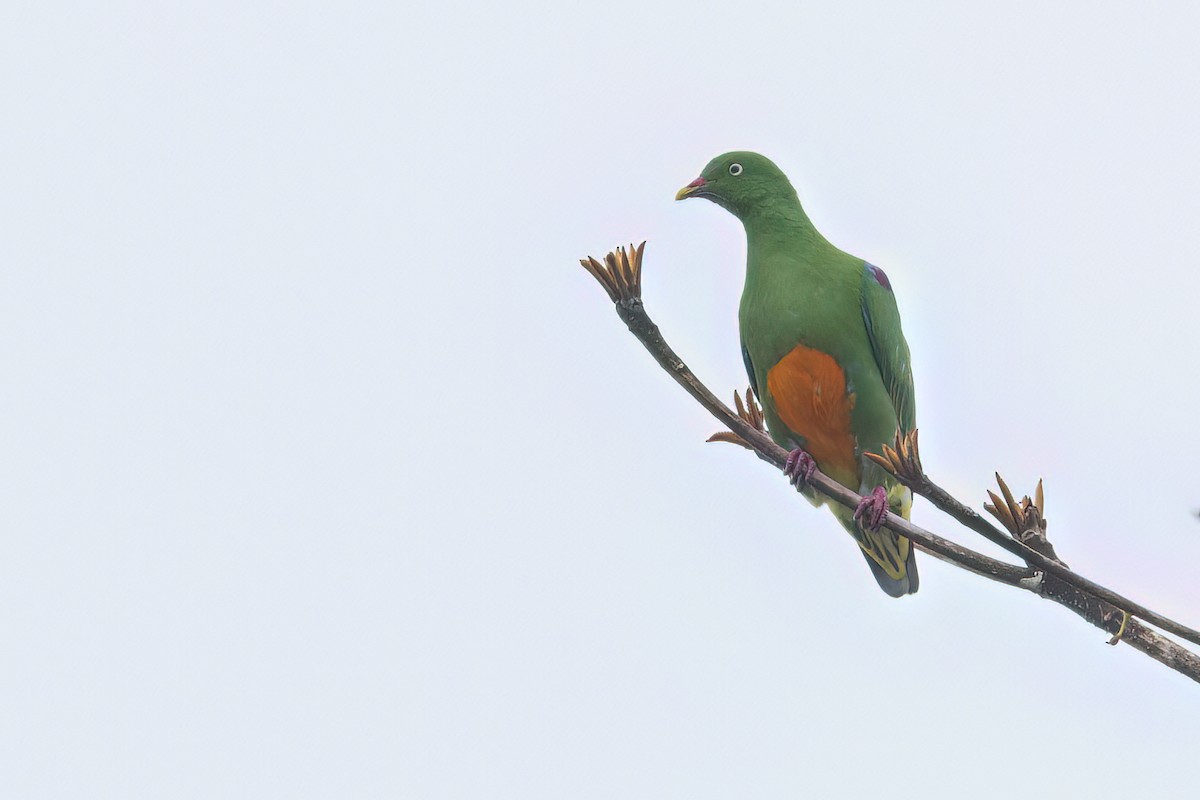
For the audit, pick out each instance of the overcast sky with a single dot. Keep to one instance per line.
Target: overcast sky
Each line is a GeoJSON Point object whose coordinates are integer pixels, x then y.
{"type": "Point", "coordinates": [325, 471]}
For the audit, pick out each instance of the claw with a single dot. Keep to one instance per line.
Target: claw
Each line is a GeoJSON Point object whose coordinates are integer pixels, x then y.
{"type": "Point", "coordinates": [872, 509]}
{"type": "Point", "coordinates": [799, 468]}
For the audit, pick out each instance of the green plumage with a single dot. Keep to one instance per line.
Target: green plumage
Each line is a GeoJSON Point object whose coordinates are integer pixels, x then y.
{"type": "Point", "coordinates": [812, 316]}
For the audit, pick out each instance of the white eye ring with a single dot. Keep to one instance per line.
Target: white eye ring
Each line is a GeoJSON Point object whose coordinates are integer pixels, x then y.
{"type": "Point", "coordinates": [735, 169]}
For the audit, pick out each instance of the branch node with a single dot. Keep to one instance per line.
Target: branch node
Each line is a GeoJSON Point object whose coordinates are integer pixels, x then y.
{"type": "Point", "coordinates": [620, 274]}
{"type": "Point", "coordinates": [1024, 520]}
{"type": "Point", "coordinates": [750, 412]}
{"type": "Point", "coordinates": [903, 460]}
{"type": "Point", "coordinates": [1034, 582]}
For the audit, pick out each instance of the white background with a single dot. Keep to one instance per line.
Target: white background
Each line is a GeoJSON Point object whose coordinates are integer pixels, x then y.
{"type": "Point", "coordinates": [326, 472]}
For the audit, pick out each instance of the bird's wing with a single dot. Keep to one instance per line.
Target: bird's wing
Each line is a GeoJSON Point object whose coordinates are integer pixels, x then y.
{"type": "Point", "coordinates": [887, 343]}
{"type": "Point", "coordinates": [750, 370]}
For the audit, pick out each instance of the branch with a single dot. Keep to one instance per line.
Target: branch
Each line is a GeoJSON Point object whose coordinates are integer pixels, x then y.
{"type": "Point", "coordinates": [620, 276]}
{"type": "Point", "coordinates": [934, 545]}
{"type": "Point", "coordinates": [1025, 524]}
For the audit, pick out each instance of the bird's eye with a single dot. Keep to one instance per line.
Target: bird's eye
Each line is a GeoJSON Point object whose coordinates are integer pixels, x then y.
{"type": "Point", "coordinates": [735, 169]}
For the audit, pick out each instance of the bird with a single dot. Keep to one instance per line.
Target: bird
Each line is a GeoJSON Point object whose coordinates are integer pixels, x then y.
{"type": "Point", "coordinates": [825, 353]}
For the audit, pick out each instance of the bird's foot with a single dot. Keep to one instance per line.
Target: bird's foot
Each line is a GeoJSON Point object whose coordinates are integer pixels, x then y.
{"type": "Point", "coordinates": [872, 509]}
{"type": "Point", "coordinates": [799, 468]}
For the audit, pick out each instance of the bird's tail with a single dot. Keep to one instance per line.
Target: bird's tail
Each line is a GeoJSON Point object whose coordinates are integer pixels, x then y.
{"type": "Point", "coordinates": [892, 558]}
{"type": "Point", "coordinates": [906, 581]}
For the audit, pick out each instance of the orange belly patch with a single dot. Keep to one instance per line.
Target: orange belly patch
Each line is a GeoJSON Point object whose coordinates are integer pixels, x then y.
{"type": "Point", "coordinates": [809, 391]}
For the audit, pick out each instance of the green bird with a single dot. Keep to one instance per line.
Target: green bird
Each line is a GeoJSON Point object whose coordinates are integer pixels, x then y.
{"type": "Point", "coordinates": [822, 343]}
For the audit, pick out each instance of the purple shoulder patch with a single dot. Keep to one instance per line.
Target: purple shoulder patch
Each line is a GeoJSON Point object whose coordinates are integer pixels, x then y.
{"type": "Point", "coordinates": [880, 277]}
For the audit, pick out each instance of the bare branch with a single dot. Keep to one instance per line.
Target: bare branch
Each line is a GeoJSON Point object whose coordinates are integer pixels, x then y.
{"type": "Point", "coordinates": [620, 276]}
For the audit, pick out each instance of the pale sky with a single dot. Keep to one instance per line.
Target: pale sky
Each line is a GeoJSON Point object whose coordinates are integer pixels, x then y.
{"type": "Point", "coordinates": [325, 471]}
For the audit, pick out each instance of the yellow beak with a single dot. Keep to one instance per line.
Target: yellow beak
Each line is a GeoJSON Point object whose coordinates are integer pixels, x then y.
{"type": "Point", "coordinates": [691, 189]}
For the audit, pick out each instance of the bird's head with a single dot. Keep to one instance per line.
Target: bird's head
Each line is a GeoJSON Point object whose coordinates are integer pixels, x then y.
{"type": "Point", "coordinates": [740, 182]}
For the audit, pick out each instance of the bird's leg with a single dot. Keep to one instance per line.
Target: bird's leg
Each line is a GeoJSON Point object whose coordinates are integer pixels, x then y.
{"type": "Point", "coordinates": [872, 509]}
{"type": "Point", "coordinates": [799, 468]}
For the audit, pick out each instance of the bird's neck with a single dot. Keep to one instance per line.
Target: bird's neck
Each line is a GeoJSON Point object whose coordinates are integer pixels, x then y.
{"type": "Point", "coordinates": [782, 224]}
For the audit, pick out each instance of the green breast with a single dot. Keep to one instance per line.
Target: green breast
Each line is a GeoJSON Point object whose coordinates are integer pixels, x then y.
{"type": "Point", "coordinates": [811, 297]}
